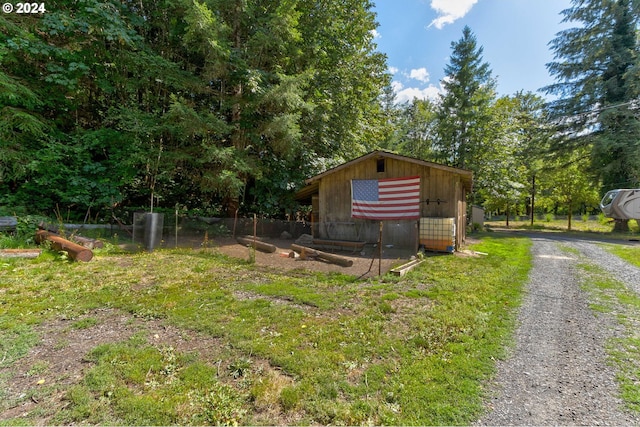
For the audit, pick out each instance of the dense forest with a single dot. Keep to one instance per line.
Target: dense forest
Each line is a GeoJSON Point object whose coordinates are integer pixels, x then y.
{"type": "Point", "coordinates": [220, 106]}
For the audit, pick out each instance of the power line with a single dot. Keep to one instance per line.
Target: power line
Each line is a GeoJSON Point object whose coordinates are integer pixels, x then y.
{"type": "Point", "coordinates": [635, 102]}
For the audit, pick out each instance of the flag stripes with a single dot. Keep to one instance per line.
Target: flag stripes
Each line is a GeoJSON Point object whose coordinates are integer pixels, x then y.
{"type": "Point", "coordinates": [386, 199]}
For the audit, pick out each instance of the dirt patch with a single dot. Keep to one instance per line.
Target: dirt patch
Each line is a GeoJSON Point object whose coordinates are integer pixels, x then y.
{"type": "Point", "coordinates": [60, 359]}
{"type": "Point", "coordinates": [365, 263]}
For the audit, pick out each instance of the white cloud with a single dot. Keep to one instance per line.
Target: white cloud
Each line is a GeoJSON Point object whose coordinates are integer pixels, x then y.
{"type": "Point", "coordinates": [420, 74]}
{"type": "Point", "coordinates": [376, 34]}
{"type": "Point", "coordinates": [450, 10]}
{"type": "Point", "coordinates": [408, 94]}
{"type": "Point", "coordinates": [397, 86]}
{"type": "Point", "coordinates": [393, 70]}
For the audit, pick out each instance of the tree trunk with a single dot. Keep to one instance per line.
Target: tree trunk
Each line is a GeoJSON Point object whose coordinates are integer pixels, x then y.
{"type": "Point", "coordinates": [570, 215]}
{"type": "Point", "coordinates": [533, 198]}
{"type": "Point", "coordinates": [507, 215]}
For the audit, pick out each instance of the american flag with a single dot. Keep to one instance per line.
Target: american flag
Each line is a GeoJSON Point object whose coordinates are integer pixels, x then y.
{"type": "Point", "coordinates": [392, 198]}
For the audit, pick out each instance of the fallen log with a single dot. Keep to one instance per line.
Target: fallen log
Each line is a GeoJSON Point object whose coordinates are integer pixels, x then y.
{"type": "Point", "coordinates": [304, 253]}
{"type": "Point", "coordinates": [87, 242]}
{"type": "Point", "coordinates": [75, 251]}
{"type": "Point", "coordinates": [335, 259]}
{"type": "Point", "coordinates": [257, 244]}
{"type": "Point", "coordinates": [20, 253]}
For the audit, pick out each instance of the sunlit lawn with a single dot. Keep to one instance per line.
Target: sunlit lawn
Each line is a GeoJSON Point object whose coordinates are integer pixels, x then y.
{"type": "Point", "coordinates": [597, 226]}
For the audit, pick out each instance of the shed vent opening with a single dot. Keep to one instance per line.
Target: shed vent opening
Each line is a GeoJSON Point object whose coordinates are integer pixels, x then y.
{"type": "Point", "coordinates": [380, 165]}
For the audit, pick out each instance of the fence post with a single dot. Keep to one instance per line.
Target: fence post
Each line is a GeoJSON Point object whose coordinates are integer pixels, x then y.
{"type": "Point", "coordinates": [380, 251]}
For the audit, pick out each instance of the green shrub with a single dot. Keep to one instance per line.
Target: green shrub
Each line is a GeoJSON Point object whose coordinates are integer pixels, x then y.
{"type": "Point", "coordinates": [602, 219]}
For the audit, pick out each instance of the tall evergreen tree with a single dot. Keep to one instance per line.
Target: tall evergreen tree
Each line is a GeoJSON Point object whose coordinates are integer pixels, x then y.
{"type": "Point", "coordinates": [464, 107]}
{"type": "Point", "coordinates": [197, 101]}
{"type": "Point", "coordinates": [596, 68]}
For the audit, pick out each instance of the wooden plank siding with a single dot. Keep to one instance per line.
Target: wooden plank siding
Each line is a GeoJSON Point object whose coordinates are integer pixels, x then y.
{"type": "Point", "coordinates": [437, 183]}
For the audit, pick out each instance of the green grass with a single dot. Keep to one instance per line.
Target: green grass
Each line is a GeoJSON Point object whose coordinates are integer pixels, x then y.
{"type": "Point", "coordinates": [629, 254]}
{"type": "Point", "coordinates": [611, 297]}
{"type": "Point", "coordinates": [296, 348]}
{"type": "Point", "coordinates": [578, 226]}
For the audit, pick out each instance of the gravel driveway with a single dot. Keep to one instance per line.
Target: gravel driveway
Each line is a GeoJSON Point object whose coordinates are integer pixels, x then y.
{"type": "Point", "coordinates": [557, 371]}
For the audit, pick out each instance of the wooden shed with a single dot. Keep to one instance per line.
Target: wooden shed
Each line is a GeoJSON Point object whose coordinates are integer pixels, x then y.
{"type": "Point", "coordinates": [442, 195]}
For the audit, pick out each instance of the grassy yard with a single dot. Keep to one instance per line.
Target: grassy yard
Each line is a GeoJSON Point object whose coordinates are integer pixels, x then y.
{"type": "Point", "coordinates": [214, 340]}
{"type": "Point", "coordinates": [578, 226]}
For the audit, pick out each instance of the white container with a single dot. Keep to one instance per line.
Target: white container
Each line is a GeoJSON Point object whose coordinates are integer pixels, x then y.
{"type": "Point", "coordinates": [438, 234]}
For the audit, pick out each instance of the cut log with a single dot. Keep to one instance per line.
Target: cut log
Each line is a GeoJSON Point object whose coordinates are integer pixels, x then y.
{"type": "Point", "coordinates": [20, 253]}
{"type": "Point", "coordinates": [257, 244]}
{"type": "Point", "coordinates": [87, 242]}
{"type": "Point", "coordinates": [75, 251]}
{"type": "Point", "coordinates": [335, 259]}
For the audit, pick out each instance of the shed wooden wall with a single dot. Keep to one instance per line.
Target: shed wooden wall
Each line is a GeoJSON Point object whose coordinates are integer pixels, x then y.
{"type": "Point", "coordinates": [335, 202]}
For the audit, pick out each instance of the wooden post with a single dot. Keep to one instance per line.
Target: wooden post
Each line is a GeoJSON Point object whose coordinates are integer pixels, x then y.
{"type": "Point", "coordinates": [235, 223]}
{"type": "Point", "coordinates": [380, 251]}
{"type": "Point", "coordinates": [416, 227]}
{"type": "Point", "coordinates": [176, 225]}
{"type": "Point", "coordinates": [255, 227]}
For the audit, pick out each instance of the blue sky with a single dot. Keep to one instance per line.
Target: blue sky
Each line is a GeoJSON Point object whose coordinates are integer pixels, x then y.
{"type": "Point", "coordinates": [416, 36]}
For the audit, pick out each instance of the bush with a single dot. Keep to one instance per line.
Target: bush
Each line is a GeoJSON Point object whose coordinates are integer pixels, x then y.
{"type": "Point", "coordinates": [24, 234]}
{"type": "Point", "coordinates": [602, 219]}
